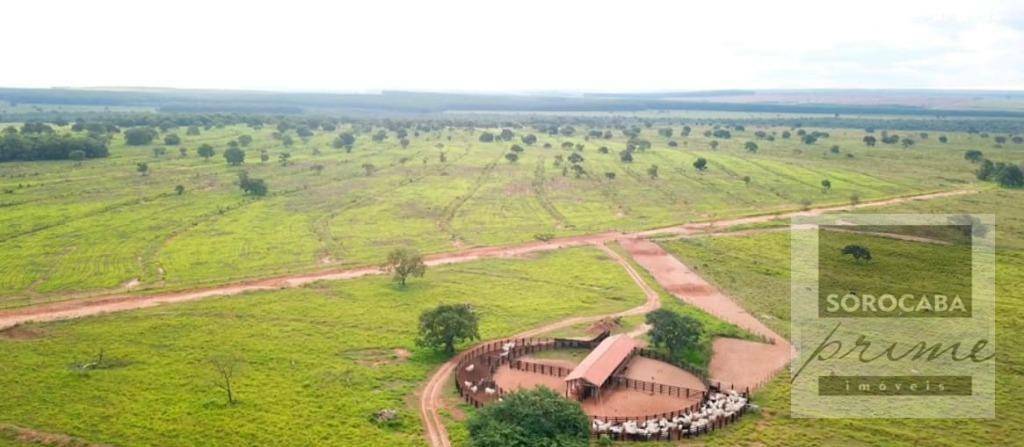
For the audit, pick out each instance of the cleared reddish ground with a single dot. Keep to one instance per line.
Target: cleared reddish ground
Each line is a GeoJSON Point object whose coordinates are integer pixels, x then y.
{"type": "Point", "coordinates": [734, 363]}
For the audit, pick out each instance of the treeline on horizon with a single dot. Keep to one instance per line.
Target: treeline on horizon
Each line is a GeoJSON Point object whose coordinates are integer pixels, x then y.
{"type": "Point", "coordinates": [165, 120]}
{"type": "Point", "coordinates": [398, 102]}
{"type": "Point", "coordinates": [49, 139]}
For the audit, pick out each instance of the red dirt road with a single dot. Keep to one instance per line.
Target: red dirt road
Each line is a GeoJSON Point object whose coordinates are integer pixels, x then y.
{"type": "Point", "coordinates": [734, 363]}
{"type": "Point", "coordinates": [69, 309]}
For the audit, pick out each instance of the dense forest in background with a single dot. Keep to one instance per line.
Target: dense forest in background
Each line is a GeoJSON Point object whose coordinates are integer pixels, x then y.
{"type": "Point", "coordinates": [78, 124]}
{"type": "Point", "coordinates": [167, 100]}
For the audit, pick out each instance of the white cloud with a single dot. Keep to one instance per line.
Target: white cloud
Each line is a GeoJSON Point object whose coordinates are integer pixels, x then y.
{"type": "Point", "coordinates": [523, 46]}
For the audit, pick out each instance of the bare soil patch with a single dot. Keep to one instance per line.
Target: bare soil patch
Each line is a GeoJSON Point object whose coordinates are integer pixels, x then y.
{"type": "Point", "coordinates": [377, 357]}
{"type": "Point", "coordinates": [620, 402]}
{"type": "Point", "coordinates": [513, 379]}
{"type": "Point", "coordinates": [28, 435]}
{"type": "Point", "coordinates": [21, 332]}
{"type": "Point", "coordinates": [643, 368]}
{"type": "Point", "coordinates": [742, 363]}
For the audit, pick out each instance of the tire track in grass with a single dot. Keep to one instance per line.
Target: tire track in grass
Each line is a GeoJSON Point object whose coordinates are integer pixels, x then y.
{"type": "Point", "coordinates": [736, 197]}
{"type": "Point", "coordinates": [785, 175]}
{"type": "Point", "coordinates": [94, 213]}
{"type": "Point", "coordinates": [771, 189]}
{"type": "Point", "coordinates": [152, 254]}
{"type": "Point", "coordinates": [444, 222]}
{"type": "Point", "coordinates": [70, 309]}
{"type": "Point", "coordinates": [540, 194]}
{"type": "Point", "coordinates": [666, 192]}
{"type": "Point", "coordinates": [322, 227]}
{"type": "Point", "coordinates": [606, 189]}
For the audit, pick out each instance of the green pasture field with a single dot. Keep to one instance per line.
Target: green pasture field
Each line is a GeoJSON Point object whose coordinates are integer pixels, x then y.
{"type": "Point", "coordinates": [755, 270]}
{"type": "Point", "coordinates": [318, 360]}
{"type": "Point", "coordinates": [68, 231]}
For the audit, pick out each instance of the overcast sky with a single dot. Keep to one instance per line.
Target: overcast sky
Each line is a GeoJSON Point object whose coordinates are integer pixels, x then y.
{"type": "Point", "coordinates": [522, 46]}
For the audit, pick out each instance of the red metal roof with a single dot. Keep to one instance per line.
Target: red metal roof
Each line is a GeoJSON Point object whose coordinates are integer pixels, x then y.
{"type": "Point", "coordinates": [597, 366]}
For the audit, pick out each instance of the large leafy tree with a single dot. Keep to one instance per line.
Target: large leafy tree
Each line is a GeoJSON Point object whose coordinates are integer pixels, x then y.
{"type": "Point", "coordinates": [206, 151]}
{"type": "Point", "coordinates": [234, 156]}
{"type": "Point", "coordinates": [538, 417]}
{"type": "Point", "coordinates": [138, 136]}
{"type": "Point", "coordinates": [447, 324]}
{"type": "Point", "coordinates": [673, 331]}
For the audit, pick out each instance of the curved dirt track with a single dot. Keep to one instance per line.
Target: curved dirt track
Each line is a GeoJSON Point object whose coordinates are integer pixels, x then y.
{"type": "Point", "coordinates": [70, 309]}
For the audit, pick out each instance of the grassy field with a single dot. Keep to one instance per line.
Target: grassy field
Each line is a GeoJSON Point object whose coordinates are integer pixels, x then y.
{"type": "Point", "coordinates": [67, 231]}
{"type": "Point", "coordinates": [755, 269]}
{"type": "Point", "coordinates": [318, 361]}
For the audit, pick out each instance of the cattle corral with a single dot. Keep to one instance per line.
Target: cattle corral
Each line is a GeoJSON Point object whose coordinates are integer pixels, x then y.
{"type": "Point", "coordinates": [619, 405]}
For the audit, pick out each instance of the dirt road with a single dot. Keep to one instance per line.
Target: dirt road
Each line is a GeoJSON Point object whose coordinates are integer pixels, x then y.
{"type": "Point", "coordinates": [734, 363]}
{"type": "Point", "coordinates": [69, 309]}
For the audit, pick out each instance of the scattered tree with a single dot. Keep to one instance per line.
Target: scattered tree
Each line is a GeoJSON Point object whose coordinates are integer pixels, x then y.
{"type": "Point", "coordinates": [251, 186]}
{"type": "Point", "coordinates": [626, 156]}
{"type": "Point", "coordinates": [179, 189]}
{"type": "Point", "coordinates": [653, 171]}
{"type": "Point", "coordinates": [226, 367]}
{"type": "Point", "coordinates": [750, 146]}
{"type": "Point", "coordinates": [701, 164]}
{"type": "Point", "coordinates": [538, 417]}
{"type": "Point", "coordinates": [403, 263]}
{"type": "Point", "coordinates": [172, 139]}
{"type": "Point", "coordinates": [446, 325]}
{"type": "Point", "coordinates": [234, 156]}
{"type": "Point", "coordinates": [206, 151]}
{"type": "Point", "coordinates": [826, 185]}
{"type": "Point", "coordinates": [142, 168]}
{"type": "Point", "coordinates": [973, 156]}
{"type": "Point", "coordinates": [673, 331]}
{"type": "Point", "coordinates": [138, 136]}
